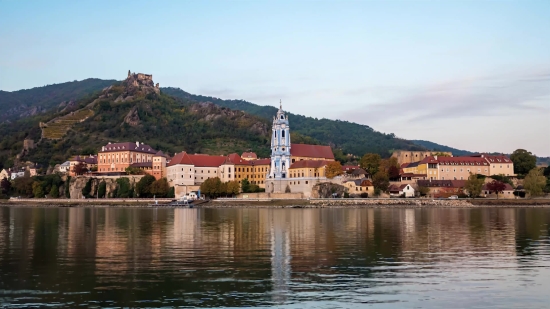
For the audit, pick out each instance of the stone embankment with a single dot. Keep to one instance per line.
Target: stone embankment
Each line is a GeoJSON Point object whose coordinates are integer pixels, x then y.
{"type": "Point", "coordinates": [393, 203]}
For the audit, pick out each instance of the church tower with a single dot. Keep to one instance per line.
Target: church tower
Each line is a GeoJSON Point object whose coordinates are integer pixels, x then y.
{"type": "Point", "coordinates": [280, 146]}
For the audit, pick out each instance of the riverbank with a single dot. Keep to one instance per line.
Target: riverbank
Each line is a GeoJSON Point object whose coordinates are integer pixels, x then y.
{"type": "Point", "coordinates": [289, 203]}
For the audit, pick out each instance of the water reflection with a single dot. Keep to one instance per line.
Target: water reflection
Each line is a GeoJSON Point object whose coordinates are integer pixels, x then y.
{"type": "Point", "coordinates": [274, 257]}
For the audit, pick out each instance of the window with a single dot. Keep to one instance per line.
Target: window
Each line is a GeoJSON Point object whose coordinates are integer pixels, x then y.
{"type": "Point", "coordinates": [283, 135]}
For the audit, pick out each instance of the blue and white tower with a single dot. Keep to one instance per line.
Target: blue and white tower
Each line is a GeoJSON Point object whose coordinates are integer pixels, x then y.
{"type": "Point", "coordinates": [280, 146]}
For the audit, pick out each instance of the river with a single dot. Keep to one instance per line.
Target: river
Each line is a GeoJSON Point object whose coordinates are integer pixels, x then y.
{"type": "Point", "coordinates": [279, 258]}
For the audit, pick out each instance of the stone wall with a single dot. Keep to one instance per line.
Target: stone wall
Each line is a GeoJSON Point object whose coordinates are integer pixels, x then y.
{"type": "Point", "coordinates": [394, 202]}
{"type": "Point", "coordinates": [78, 183]}
{"type": "Point", "coordinates": [264, 195]}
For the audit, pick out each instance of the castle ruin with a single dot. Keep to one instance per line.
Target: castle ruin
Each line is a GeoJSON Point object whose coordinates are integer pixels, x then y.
{"type": "Point", "coordinates": [140, 79]}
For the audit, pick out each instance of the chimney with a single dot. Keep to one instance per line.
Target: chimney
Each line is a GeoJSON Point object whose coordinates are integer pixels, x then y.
{"type": "Point", "coordinates": [435, 157]}
{"type": "Point", "coordinates": [137, 144]}
{"type": "Point", "coordinates": [102, 148]}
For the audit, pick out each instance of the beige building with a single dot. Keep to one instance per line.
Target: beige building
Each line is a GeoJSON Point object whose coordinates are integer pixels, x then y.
{"type": "Point", "coordinates": [459, 168]}
{"type": "Point", "coordinates": [119, 156]}
{"type": "Point", "coordinates": [406, 156]}
{"type": "Point", "coordinates": [499, 164]}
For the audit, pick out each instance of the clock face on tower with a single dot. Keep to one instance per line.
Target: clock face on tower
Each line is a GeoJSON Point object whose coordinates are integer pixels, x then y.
{"type": "Point", "coordinates": [283, 126]}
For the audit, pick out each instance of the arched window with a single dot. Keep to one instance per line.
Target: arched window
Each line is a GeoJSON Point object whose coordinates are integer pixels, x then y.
{"type": "Point", "coordinates": [283, 133]}
{"type": "Point", "coordinates": [282, 117]}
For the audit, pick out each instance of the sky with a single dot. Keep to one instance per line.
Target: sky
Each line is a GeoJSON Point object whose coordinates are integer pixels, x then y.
{"type": "Point", "coordinates": [473, 75]}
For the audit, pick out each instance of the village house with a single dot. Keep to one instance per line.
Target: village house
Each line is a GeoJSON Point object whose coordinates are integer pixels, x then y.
{"type": "Point", "coordinates": [65, 167]}
{"type": "Point", "coordinates": [507, 193]}
{"type": "Point", "coordinates": [357, 187]}
{"type": "Point", "coordinates": [405, 190]}
{"type": "Point", "coordinates": [443, 188]}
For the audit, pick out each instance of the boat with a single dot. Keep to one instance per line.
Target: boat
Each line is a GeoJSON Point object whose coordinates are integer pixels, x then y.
{"type": "Point", "coordinates": [183, 202]}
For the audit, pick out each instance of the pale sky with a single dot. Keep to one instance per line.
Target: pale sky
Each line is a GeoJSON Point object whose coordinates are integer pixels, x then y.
{"type": "Point", "coordinates": [473, 75]}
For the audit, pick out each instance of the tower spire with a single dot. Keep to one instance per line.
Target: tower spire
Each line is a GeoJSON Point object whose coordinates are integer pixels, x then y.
{"type": "Point", "coordinates": [280, 104]}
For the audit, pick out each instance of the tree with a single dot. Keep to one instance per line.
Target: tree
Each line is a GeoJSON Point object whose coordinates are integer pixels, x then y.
{"type": "Point", "coordinates": [5, 186]}
{"type": "Point", "coordinates": [80, 168]}
{"type": "Point", "coordinates": [245, 185]}
{"type": "Point", "coordinates": [143, 186]}
{"type": "Point", "coordinates": [54, 191]}
{"type": "Point", "coordinates": [87, 188]}
{"type": "Point", "coordinates": [233, 187]}
{"type": "Point", "coordinates": [287, 189]}
{"type": "Point", "coordinates": [102, 189]}
{"type": "Point", "coordinates": [496, 186]}
{"type": "Point", "coordinates": [387, 164]}
{"type": "Point", "coordinates": [211, 187]}
{"type": "Point", "coordinates": [423, 191]}
{"type": "Point", "coordinates": [524, 161]}
{"type": "Point", "coordinates": [123, 188]}
{"type": "Point", "coordinates": [333, 169]}
{"type": "Point", "coordinates": [393, 173]}
{"type": "Point", "coordinates": [381, 181]}
{"type": "Point", "coordinates": [160, 188]}
{"type": "Point", "coordinates": [474, 185]}
{"type": "Point", "coordinates": [534, 182]}
{"type": "Point", "coordinates": [370, 162]}
{"type": "Point", "coordinates": [68, 187]}
{"type": "Point", "coordinates": [23, 186]}
{"type": "Point", "coordinates": [37, 190]}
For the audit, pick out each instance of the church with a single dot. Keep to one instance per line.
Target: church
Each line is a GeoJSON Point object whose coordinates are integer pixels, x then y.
{"type": "Point", "coordinates": [295, 168]}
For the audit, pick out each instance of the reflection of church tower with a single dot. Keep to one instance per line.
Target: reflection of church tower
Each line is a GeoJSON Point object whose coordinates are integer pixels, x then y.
{"type": "Point", "coordinates": [280, 257]}
{"type": "Point", "coordinates": [280, 146]}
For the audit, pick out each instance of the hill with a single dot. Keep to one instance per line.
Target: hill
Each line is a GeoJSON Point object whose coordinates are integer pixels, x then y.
{"type": "Point", "coordinates": [126, 112]}
{"type": "Point", "coordinates": [31, 102]}
{"type": "Point", "coordinates": [350, 137]}
{"type": "Point", "coordinates": [438, 147]}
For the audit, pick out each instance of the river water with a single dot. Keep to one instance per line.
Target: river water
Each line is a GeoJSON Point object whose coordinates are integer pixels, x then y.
{"type": "Point", "coordinates": [280, 258]}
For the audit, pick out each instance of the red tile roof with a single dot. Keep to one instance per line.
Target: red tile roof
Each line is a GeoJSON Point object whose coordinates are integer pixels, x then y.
{"type": "Point", "coordinates": [311, 151]}
{"type": "Point", "coordinates": [128, 147]}
{"type": "Point", "coordinates": [309, 163]}
{"type": "Point", "coordinates": [249, 155]}
{"type": "Point", "coordinates": [497, 159]}
{"type": "Point", "coordinates": [478, 161]}
{"type": "Point", "coordinates": [201, 160]}
{"type": "Point", "coordinates": [181, 158]}
{"type": "Point", "coordinates": [261, 162]}
{"type": "Point", "coordinates": [429, 159]}
{"type": "Point", "coordinates": [237, 160]}
{"type": "Point", "coordinates": [85, 159]}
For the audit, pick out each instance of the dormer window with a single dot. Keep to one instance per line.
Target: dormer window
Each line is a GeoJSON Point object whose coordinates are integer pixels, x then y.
{"type": "Point", "coordinates": [282, 117]}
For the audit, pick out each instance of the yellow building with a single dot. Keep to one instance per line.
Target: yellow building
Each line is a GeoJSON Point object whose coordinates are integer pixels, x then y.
{"type": "Point", "coordinates": [308, 169]}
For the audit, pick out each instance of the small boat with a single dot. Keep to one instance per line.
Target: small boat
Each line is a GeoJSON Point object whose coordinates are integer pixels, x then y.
{"type": "Point", "coordinates": [177, 203]}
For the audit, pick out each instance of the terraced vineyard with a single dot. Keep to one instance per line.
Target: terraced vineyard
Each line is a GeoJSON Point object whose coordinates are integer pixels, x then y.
{"type": "Point", "coordinates": [58, 127]}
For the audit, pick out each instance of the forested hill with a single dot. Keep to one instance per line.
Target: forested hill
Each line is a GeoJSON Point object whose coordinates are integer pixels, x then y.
{"type": "Point", "coordinates": [120, 113]}
{"type": "Point", "coordinates": [31, 102]}
{"type": "Point", "coordinates": [351, 137]}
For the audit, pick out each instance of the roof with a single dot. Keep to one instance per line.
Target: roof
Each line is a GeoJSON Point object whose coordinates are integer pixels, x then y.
{"type": "Point", "coordinates": [497, 159]}
{"type": "Point", "coordinates": [359, 171]}
{"type": "Point", "coordinates": [201, 160]}
{"type": "Point", "coordinates": [260, 162]}
{"type": "Point", "coordinates": [508, 187]}
{"type": "Point", "coordinates": [412, 175]}
{"type": "Point", "coordinates": [309, 163]}
{"type": "Point", "coordinates": [66, 163]}
{"type": "Point", "coordinates": [404, 165]}
{"type": "Point", "coordinates": [396, 188]}
{"type": "Point", "coordinates": [128, 146]}
{"type": "Point", "coordinates": [249, 155]}
{"type": "Point", "coordinates": [311, 151]}
{"type": "Point", "coordinates": [413, 164]}
{"type": "Point", "coordinates": [180, 158]}
{"type": "Point", "coordinates": [349, 167]}
{"type": "Point", "coordinates": [430, 159]}
{"type": "Point", "coordinates": [237, 160]}
{"type": "Point", "coordinates": [442, 183]}
{"type": "Point", "coordinates": [362, 182]}
{"type": "Point", "coordinates": [462, 161]}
